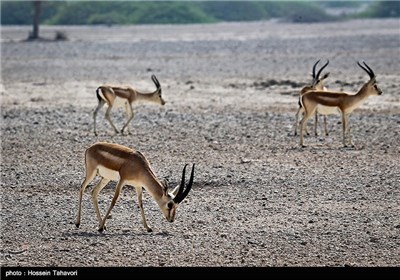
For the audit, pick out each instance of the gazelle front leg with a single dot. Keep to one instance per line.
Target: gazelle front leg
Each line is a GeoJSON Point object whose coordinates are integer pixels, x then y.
{"type": "Point", "coordinates": [114, 200]}
{"type": "Point", "coordinates": [95, 194]}
{"type": "Point", "coordinates": [346, 129]}
{"type": "Point", "coordinates": [325, 126]}
{"type": "Point", "coordinates": [129, 115]}
{"type": "Point", "coordinates": [139, 192]}
{"type": "Point", "coordinates": [88, 179]}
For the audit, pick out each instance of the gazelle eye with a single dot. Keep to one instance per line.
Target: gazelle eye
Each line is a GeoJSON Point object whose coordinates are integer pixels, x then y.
{"type": "Point", "coordinates": [170, 205]}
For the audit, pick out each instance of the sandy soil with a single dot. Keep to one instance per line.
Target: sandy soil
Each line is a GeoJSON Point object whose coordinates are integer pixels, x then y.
{"type": "Point", "coordinates": [258, 199]}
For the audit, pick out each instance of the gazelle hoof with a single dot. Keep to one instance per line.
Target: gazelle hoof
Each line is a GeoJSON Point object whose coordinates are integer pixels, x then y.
{"type": "Point", "coordinates": [102, 228]}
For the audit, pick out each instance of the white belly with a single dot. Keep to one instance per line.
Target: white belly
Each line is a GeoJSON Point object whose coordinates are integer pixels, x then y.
{"type": "Point", "coordinates": [114, 176]}
{"type": "Point", "coordinates": [328, 110]}
{"type": "Point", "coordinates": [108, 173]}
{"type": "Point", "coordinates": [119, 102]}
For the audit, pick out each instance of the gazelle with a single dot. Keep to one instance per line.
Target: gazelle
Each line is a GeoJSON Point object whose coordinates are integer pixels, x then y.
{"type": "Point", "coordinates": [129, 167]}
{"type": "Point", "coordinates": [120, 96]}
{"type": "Point", "coordinates": [345, 102]}
{"type": "Point", "coordinates": [317, 83]}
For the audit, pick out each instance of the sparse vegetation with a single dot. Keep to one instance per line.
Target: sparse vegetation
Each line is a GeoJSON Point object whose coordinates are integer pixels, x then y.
{"type": "Point", "coordinates": [159, 12]}
{"type": "Point", "coordinates": [383, 9]}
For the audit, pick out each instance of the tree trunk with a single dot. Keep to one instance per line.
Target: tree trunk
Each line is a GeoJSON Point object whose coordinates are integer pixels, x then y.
{"type": "Point", "coordinates": [36, 18]}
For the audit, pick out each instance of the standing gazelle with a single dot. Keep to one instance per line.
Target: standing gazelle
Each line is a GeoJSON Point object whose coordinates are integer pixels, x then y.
{"type": "Point", "coordinates": [317, 83]}
{"type": "Point", "coordinates": [346, 102]}
{"type": "Point", "coordinates": [120, 96]}
{"type": "Point", "coordinates": [129, 167]}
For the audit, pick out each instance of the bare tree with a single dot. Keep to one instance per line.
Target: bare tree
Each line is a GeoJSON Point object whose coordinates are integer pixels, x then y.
{"type": "Point", "coordinates": [37, 9]}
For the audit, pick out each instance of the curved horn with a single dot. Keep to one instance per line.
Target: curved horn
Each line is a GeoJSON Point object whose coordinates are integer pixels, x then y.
{"type": "Point", "coordinates": [156, 82]}
{"type": "Point", "coordinates": [313, 69]}
{"type": "Point", "coordinates": [182, 186]}
{"type": "Point", "coordinates": [322, 68]}
{"type": "Point", "coordinates": [182, 194]}
{"type": "Point", "coordinates": [368, 69]}
{"type": "Point", "coordinates": [189, 185]}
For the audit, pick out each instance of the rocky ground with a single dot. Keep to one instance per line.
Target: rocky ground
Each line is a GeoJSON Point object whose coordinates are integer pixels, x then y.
{"type": "Point", "coordinates": [258, 199]}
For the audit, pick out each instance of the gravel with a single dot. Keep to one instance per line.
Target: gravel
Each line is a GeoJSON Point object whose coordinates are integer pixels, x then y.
{"type": "Point", "coordinates": [231, 89]}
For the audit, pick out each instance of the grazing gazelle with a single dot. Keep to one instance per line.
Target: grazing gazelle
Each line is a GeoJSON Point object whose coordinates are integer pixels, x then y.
{"type": "Point", "coordinates": [129, 167]}
{"type": "Point", "coordinates": [346, 102]}
{"type": "Point", "coordinates": [317, 83]}
{"type": "Point", "coordinates": [124, 96]}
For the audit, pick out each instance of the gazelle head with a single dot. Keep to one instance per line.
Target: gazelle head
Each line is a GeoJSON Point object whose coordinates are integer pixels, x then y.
{"type": "Point", "coordinates": [371, 87]}
{"type": "Point", "coordinates": [317, 82]}
{"type": "Point", "coordinates": [157, 97]}
{"type": "Point", "coordinates": [169, 201]}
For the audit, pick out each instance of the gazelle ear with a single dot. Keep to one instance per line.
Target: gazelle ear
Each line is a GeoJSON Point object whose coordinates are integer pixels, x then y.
{"type": "Point", "coordinates": [175, 191]}
{"type": "Point", "coordinates": [372, 81]}
{"type": "Point", "coordinates": [164, 182]}
{"type": "Point", "coordinates": [326, 75]}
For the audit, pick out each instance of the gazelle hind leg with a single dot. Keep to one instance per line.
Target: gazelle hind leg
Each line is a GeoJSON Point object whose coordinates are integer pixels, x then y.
{"type": "Point", "coordinates": [114, 200]}
{"type": "Point", "coordinates": [99, 106]}
{"type": "Point", "coordinates": [316, 124]}
{"type": "Point", "coordinates": [296, 123]}
{"type": "Point", "coordinates": [303, 122]}
{"type": "Point", "coordinates": [107, 115]}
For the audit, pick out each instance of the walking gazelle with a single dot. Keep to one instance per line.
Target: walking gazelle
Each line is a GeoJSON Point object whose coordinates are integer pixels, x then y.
{"type": "Point", "coordinates": [129, 167]}
{"type": "Point", "coordinates": [345, 102]}
{"type": "Point", "coordinates": [124, 96]}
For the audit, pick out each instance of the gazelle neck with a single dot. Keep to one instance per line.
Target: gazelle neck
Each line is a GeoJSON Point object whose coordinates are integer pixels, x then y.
{"type": "Point", "coordinates": [153, 186]}
{"type": "Point", "coordinates": [363, 93]}
{"type": "Point", "coordinates": [146, 96]}
{"type": "Point", "coordinates": [358, 98]}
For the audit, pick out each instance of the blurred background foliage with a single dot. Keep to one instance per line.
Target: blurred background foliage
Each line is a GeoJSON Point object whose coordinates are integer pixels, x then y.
{"type": "Point", "coordinates": [181, 12]}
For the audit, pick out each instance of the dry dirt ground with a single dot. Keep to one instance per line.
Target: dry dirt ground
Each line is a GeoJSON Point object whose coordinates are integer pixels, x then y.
{"type": "Point", "coordinates": [258, 199]}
